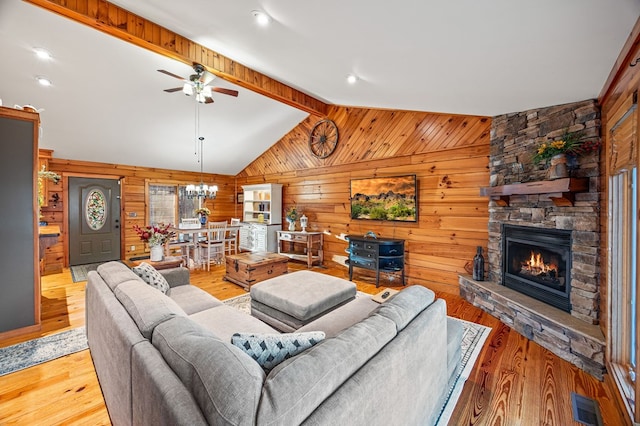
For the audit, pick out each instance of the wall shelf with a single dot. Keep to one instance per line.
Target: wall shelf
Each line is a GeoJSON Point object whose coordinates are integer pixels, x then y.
{"type": "Point", "coordinates": [560, 191]}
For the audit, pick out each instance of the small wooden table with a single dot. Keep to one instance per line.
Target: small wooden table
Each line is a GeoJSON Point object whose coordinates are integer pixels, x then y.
{"type": "Point", "coordinates": [247, 269]}
{"type": "Point", "coordinates": [166, 263]}
{"type": "Point", "coordinates": [304, 246]}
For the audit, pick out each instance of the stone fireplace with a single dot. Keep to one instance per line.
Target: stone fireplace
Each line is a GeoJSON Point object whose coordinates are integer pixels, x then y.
{"type": "Point", "coordinates": [543, 248]}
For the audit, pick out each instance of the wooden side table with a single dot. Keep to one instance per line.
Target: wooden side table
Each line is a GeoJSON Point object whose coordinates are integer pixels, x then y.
{"type": "Point", "coordinates": [303, 246]}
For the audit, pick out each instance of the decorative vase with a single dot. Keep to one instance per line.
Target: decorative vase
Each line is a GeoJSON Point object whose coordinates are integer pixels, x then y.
{"type": "Point", "coordinates": [304, 221]}
{"type": "Point", "coordinates": [157, 253]}
{"type": "Point", "coordinates": [292, 225]}
{"type": "Point", "coordinates": [203, 219]}
{"type": "Point", "coordinates": [558, 167]}
{"type": "Point", "coordinates": [478, 265]}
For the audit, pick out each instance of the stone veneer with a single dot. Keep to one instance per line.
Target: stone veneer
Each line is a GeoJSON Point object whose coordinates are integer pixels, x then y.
{"type": "Point", "coordinates": [514, 140]}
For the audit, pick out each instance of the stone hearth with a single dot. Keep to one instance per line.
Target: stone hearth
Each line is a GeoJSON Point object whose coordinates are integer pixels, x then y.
{"type": "Point", "coordinates": [573, 336]}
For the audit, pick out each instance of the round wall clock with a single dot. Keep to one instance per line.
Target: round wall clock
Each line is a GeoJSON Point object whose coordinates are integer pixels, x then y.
{"type": "Point", "coordinates": [323, 138]}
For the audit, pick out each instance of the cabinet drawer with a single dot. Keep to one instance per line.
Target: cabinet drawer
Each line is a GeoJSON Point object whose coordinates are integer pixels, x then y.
{"type": "Point", "coordinates": [365, 254]}
{"type": "Point", "coordinates": [363, 262]}
{"type": "Point", "coordinates": [292, 237]}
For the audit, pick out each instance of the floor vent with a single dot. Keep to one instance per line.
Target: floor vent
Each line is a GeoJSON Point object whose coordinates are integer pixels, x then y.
{"type": "Point", "coordinates": [585, 410]}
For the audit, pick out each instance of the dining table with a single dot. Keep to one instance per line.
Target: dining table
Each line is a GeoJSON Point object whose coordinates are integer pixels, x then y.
{"type": "Point", "coordinates": [188, 238]}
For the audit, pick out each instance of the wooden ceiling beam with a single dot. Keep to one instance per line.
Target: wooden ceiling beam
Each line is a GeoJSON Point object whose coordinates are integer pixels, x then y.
{"type": "Point", "coordinates": [127, 26]}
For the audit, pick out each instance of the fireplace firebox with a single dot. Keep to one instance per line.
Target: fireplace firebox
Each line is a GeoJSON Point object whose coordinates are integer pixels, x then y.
{"type": "Point", "coordinates": [537, 262]}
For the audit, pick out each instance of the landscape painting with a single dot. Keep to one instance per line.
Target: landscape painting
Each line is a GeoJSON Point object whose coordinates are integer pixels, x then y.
{"type": "Point", "coordinates": [385, 198]}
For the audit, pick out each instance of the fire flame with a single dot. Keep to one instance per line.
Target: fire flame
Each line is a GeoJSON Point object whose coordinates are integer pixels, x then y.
{"type": "Point", "coordinates": [536, 266]}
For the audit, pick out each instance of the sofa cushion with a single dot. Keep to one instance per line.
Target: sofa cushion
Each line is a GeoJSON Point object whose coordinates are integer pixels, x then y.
{"type": "Point", "coordinates": [224, 321]}
{"type": "Point", "coordinates": [193, 299]}
{"type": "Point", "coordinates": [115, 273]}
{"type": "Point", "coordinates": [269, 350]}
{"type": "Point", "coordinates": [146, 306]}
{"type": "Point", "coordinates": [225, 382]}
{"type": "Point", "coordinates": [403, 307]}
{"type": "Point", "coordinates": [152, 277]}
{"type": "Point", "coordinates": [297, 386]}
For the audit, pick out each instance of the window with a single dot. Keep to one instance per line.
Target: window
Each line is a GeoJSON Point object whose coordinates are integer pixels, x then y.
{"type": "Point", "coordinates": [168, 204]}
{"type": "Point", "coordinates": [622, 244]}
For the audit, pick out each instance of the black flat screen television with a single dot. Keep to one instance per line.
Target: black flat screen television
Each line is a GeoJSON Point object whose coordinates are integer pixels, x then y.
{"type": "Point", "coordinates": [385, 198]}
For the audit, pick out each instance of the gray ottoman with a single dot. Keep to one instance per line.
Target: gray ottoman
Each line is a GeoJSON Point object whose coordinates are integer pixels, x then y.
{"type": "Point", "coordinates": [289, 301]}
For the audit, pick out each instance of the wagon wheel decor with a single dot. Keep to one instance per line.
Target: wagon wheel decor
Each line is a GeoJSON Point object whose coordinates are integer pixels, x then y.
{"type": "Point", "coordinates": [323, 138]}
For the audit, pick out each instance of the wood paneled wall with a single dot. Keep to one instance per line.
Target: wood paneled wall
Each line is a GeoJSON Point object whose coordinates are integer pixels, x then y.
{"type": "Point", "coordinates": [133, 200]}
{"type": "Point", "coordinates": [448, 153]}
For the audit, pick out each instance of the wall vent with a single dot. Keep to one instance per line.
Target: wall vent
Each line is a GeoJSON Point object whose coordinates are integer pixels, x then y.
{"type": "Point", "coordinates": [585, 410]}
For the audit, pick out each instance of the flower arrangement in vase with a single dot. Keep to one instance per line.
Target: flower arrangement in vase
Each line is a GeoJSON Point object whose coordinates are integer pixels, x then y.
{"type": "Point", "coordinates": [203, 213]}
{"type": "Point", "coordinates": [554, 153]}
{"type": "Point", "coordinates": [155, 236]}
{"type": "Point", "coordinates": [291, 216]}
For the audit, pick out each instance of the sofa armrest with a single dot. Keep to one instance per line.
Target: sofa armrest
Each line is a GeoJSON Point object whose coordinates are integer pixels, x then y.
{"type": "Point", "coordinates": [176, 276]}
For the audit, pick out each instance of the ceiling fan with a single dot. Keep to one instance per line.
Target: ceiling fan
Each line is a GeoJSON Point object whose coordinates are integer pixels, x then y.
{"type": "Point", "coordinates": [198, 84]}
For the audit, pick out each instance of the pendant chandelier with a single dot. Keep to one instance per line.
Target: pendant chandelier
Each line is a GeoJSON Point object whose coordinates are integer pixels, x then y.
{"type": "Point", "coordinates": [201, 191]}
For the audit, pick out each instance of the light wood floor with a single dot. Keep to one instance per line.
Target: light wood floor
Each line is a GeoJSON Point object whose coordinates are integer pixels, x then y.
{"type": "Point", "coordinates": [514, 381]}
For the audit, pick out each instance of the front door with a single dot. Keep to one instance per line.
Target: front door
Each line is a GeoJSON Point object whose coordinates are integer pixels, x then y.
{"type": "Point", "coordinates": [94, 220]}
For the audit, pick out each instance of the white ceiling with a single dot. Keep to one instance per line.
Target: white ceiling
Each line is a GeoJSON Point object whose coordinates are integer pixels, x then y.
{"type": "Point", "coordinates": [470, 57]}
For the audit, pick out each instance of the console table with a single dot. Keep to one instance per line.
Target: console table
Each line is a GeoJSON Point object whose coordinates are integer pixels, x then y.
{"type": "Point", "coordinates": [376, 254]}
{"type": "Point", "coordinates": [304, 246]}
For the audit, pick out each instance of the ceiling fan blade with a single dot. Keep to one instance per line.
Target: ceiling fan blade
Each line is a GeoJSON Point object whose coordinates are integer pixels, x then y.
{"type": "Point", "coordinates": [208, 100]}
{"type": "Point", "coordinates": [225, 91]}
{"type": "Point", "coordinates": [171, 74]}
{"type": "Point", "coordinates": [175, 89]}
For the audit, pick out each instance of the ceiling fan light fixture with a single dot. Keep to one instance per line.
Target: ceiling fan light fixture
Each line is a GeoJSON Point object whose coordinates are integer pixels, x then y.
{"type": "Point", "coordinates": [261, 17]}
{"type": "Point", "coordinates": [43, 54]}
{"type": "Point", "coordinates": [207, 91]}
{"type": "Point", "coordinates": [44, 81]}
{"type": "Point", "coordinates": [187, 89]}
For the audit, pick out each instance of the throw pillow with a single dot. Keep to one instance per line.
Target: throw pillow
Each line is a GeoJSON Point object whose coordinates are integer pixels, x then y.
{"type": "Point", "coordinates": [152, 277]}
{"type": "Point", "coordinates": [270, 350]}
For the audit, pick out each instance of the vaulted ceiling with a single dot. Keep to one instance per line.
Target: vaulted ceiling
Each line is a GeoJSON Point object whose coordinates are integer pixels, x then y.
{"type": "Point", "coordinates": [107, 102]}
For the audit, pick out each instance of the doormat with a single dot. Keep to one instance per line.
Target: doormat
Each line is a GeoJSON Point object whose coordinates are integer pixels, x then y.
{"type": "Point", "coordinates": [79, 272]}
{"type": "Point", "coordinates": [32, 352]}
{"type": "Point", "coordinates": [473, 339]}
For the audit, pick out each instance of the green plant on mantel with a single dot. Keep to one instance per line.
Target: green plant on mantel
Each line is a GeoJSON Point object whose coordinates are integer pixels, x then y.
{"type": "Point", "coordinates": [571, 143]}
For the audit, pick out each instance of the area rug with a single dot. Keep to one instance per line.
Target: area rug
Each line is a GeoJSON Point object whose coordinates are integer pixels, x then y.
{"type": "Point", "coordinates": [79, 272]}
{"type": "Point", "coordinates": [36, 351]}
{"type": "Point", "coordinates": [473, 338]}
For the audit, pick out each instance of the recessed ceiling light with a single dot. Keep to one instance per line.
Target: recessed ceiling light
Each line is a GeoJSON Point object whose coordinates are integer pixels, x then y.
{"type": "Point", "coordinates": [351, 79]}
{"type": "Point", "coordinates": [44, 81]}
{"type": "Point", "coordinates": [42, 53]}
{"type": "Point", "coordinates": [261, 17]}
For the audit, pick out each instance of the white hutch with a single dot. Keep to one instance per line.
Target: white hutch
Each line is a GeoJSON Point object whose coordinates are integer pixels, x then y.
{"type": "Point", "coordinates": [261, 217]}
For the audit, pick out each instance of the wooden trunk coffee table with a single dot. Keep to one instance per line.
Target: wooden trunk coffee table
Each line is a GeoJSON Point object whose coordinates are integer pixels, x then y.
{"type": "Point", "coordinates": [246, 269]}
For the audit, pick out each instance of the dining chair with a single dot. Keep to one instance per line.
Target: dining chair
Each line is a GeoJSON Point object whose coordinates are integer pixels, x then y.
{"type": "Point", "coordinates": [231, 240]}
{"type": "Point", "coordinates": [212, 249]}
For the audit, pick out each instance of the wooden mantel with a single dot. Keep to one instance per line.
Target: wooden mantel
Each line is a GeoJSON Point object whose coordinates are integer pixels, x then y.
{"type": "Point", "coordinates": [560, 191]}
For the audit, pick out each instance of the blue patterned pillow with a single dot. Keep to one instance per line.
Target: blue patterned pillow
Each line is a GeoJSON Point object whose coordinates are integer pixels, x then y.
{"type": "Point", "coordinates": [152, 277]}
{"type": "Point", "coordinates": [270, 350]}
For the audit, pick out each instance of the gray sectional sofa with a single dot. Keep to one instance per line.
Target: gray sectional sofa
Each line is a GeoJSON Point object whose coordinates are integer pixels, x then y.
{"type": "Point", "coordinates": [167, 359]}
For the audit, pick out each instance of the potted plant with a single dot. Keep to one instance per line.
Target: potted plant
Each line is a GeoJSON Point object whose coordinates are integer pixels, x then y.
{"type": "Point", "coordinates": [155, 236]}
